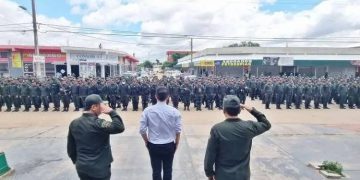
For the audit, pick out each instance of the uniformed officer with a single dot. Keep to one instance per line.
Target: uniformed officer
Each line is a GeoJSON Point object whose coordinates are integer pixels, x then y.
{"type": "Point", "coordinates": [268, 95]}
{"type": "Point", "coordinates": [25, 96]}
{"type": "Point", "coordinates": [174, 90]}
{"type": "Point", "coordinates": [124, 94]}
{"type": "Point", "coordinates": [1, 95]}
{"type": "Point", "coordinates": [35, 96]}
{"type": "Point", "coordinates": [278, 92]}
{"type": "Point", "coordinates": [308, 93]}
{"type": "Point", "coordinates": [15, 93]}
{"type": "Point", "coordinates": [198, 96]}
{"type": "Point", "coordinates": [55, 96]}
{"type": "Point", "coordinates": [298, 93]}
{"type": "Point", "coordinates": [325, 93]}
{"type": "Point", "coordinates": [186, 95]}
{"type": "Point", "coordinates": [7, 96]}
{"type": "Point", "coordinates": [229, 145]}
{"type": "Point", "coordinates": [342, 95]}
{"type": "Point", "coordinates": [134, 93]}
{"type": "Point", "coordinates": [289, 93]}
{"type": "Point", "coordinates": [65, 92]}
{"type": "Point", "coordinates": [152, 93]}
{"type": "Point", "coordinates": [75, 95]}
{"type": "Point", "coordinates": [145, 93]}
{"type": "Point", "coordinates": [241, 92]}
{"type": "Point", "coordinates": [317, 96]}
{"type": "Point", "coordinates": [352, 95]}
{"type": "Point", "coordinates": [83, 92]}
{"type": "Point", "coordinates": [113, 91]}
{"type": "Point", "coordinates": [45, 95]}
{"type": "Point", "coordinates": [88, 143]}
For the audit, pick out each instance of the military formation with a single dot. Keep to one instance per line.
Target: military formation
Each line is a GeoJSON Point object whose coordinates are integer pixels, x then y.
{"type": "Point", "coordinates": [29, 93]}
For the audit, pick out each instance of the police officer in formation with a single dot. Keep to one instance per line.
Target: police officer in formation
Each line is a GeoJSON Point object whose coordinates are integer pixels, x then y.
{"type": "Point", "coordinates": [291, 91]}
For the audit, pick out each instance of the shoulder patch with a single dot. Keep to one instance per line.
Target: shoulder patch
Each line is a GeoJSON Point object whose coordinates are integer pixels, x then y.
{"type": "Point", "coordinates": [105, 124]}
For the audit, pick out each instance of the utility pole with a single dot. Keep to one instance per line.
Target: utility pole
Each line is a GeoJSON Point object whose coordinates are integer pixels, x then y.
{"type": "Point", "coordinates": [191, 56]}
{"type": "Point", "coordinates": [35, 27]}
{"type": "Point", "coordinates": [38, 62]}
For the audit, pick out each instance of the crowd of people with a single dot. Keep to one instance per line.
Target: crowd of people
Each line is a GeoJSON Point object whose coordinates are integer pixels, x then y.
{"type": "Point", "coordinates": [290, 91]}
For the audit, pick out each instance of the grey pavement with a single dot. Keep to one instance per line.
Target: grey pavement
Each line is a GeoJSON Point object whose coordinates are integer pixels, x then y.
{"type": "Point", "coordinates": [35, 145]}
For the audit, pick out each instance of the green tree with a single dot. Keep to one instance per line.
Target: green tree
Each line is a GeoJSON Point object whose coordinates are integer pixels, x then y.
{"type": "Point", "coordinates": [178, 56]}
{"type": "Point", "coordinates": [245, 44]}
{"type": "Point", "coordinates": [168, 64]}
{"type": "Point", "coordinates": [146, 64]}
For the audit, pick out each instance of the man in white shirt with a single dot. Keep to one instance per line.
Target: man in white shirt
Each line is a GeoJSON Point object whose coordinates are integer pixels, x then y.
{"type": "Point", "coordinates": [160, 127]}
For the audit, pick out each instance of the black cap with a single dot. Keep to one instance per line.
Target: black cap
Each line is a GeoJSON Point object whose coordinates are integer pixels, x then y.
{"type": "Point", "coordinates": [231, 101]}
{"type": "Point", "coordinates": [91, 100]}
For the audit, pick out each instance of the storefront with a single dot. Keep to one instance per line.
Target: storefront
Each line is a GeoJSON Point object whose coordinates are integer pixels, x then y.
{"type": "Point", "coordinates": [277, 60]}
{"type": "Point", "coordinates": [4, 63]}
{"type": "Point", "coordinates": [17, 60]}
{"type": "Point", "coordinates": [86, 62]}
{"type": "Point", "coordinates": [54, 59]}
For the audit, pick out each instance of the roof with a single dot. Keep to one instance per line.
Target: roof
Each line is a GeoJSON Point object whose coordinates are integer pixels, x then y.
{"type": "Point", "coordinates": [67, 48]}
{"type": "Point", "coordinates": [131, 58]}
{"type": "Point", "coordinates": [274, 51]}
{"type": "Point", "coordinates": [181, 52]}
{"type": "Point", "coordinates": [27, 47]}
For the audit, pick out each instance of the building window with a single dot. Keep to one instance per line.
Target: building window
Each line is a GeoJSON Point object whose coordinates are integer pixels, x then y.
{"type": "Point", "coordinates": [49, 69]}
{"type": "Point", "coordinates": [4, 54]}
{"type": "Point", "coordinates": [4, 67]}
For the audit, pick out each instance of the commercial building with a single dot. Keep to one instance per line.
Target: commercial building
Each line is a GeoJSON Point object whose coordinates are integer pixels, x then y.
{"type": "Point", "coordinates": [18, 60]}
{"type": "Point", "coordinates": [308, 61]}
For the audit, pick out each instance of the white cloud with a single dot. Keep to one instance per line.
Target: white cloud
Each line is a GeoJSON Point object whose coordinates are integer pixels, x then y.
{"type": "Point", "coordinates": [243, 18]}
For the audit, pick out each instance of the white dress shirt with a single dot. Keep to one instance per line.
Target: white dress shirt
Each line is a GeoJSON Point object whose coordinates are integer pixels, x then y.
{"type": "Point", "coordinates": [161, 122]}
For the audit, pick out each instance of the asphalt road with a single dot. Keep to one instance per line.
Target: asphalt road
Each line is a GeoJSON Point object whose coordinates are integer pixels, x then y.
{"type": "Point", "coordinates": [35, 144]}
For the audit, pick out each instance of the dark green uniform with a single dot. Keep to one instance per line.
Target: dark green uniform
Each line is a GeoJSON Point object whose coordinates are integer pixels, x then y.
{"type": "Point", "coordinates": [45, 96]}
{"type": "Point", "coordinates": [229, 147]}
{"type": "Point", "coordinates": [35, 93]}
{"type": "Point", "coordinates": [25, 96]}
{"type": "Point", "coordinates": [89, 144]}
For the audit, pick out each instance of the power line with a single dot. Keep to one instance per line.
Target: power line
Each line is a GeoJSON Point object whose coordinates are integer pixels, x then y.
{"type": "Point", "coordinates": [169, 35]}
{"type": "Point", "coordinates": [14, 24]}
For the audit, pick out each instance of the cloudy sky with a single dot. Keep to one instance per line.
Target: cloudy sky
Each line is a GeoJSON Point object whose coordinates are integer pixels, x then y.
{"type": "Point", "coordinates": [149, 28]}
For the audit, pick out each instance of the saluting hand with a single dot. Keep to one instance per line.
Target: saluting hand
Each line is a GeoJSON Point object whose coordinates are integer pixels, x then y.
{"type": "Point", "coordinates": [242, 107]}
{"type": "Point", "coordinates": [105, 109]}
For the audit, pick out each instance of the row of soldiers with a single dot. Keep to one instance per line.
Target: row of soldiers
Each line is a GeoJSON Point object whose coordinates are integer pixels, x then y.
{"type": "Point", "coordinates": [289, 90]}
{"type": "Point", "coordinates": [208, 91]}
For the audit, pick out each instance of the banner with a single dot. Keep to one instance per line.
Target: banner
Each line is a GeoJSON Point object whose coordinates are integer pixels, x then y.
{"type": "Point", "coordinates": [271, 61]}
{"type": "Point", "coordinates": [16, 60]}
{"type": "Point", "coordinates": [286, 61]}
{"type": "Point", "coordinates": [234, 63]}
{"type": "Point", "coordinates": [207, 63]}
{"type": "Point", "coordinates": [28, 68]}
{"type": "Point", "coordinates": [278, 61]}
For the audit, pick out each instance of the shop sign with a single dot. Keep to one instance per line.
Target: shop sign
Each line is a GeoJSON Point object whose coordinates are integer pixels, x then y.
{"type": "Point", "coordinates": [16, 60]}
{"type": "Point", "coordinates": [234, 63]}
{"type": "Point", "coordinates": [207, 63]}
{"type": "Point", "coordinates": [46, 55]}
{"type": "Point", "coordinates": [38, 59]}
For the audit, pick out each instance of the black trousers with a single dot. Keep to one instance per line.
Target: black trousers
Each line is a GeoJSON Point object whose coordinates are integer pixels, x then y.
{"type": "Point", "coordinates": [84, 176]}
{"type": "Point", "coordinates": [162, 156]}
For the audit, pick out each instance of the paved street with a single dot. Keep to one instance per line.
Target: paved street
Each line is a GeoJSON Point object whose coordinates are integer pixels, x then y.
{"type": "Point", "coordinates": [35, 144]}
